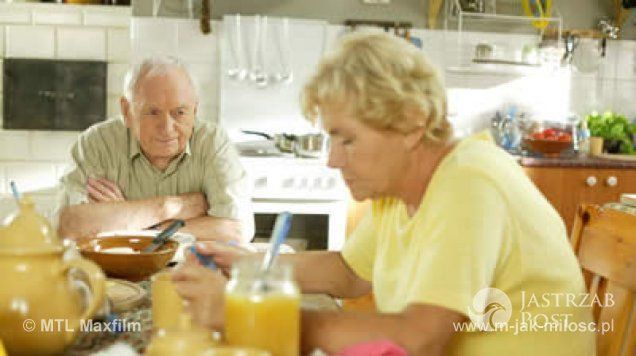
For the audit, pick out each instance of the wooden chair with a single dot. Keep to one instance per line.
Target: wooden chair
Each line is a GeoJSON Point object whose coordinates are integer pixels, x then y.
{"type": "Point", "coordinates": [605, 243]}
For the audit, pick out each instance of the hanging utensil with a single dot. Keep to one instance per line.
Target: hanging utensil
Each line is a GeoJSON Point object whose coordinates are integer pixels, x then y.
{"type": "Point", "coordinates": [205, 16]}
{"type": "Point", "coordinates": [261, 79]}
{"type": "Point", "coordinates": [284, 53]}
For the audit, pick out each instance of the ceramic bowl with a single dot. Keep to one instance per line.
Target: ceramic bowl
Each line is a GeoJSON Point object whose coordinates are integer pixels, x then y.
{"type": "Point", "coordinates": [550, 148]}
{"type": "Point", "coordinates": [123, 256]}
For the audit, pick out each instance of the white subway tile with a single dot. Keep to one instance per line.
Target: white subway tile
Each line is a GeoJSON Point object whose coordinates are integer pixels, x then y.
{"type": "Point", "coordinates": [113, 108]}
{"type": "Point", "coordinates": [30, 41]}
{"type": "Point", "coordinates": [154, 36]}
{"type": "Point", "coordinates": [114, 17]}
{"type": "Point", "coordinates": [31, 176]}
{"type": "Point", "coordinates": [1, 44]}
{"type": "Point", "coordinates": [193, 44]}
{"type": "Point", "coordinates": [57, 17]}
{"type": "Point", "coordinates": [47, 145]}
{"type": "Point", "coordinates": [624, 98]}
{"type": "Point", "coordinates": [14, 145]}
{"type": "Point", "coordinates": [119, 45]}
{"type": "Point", "coordinates": [626, 61]}
{"type": "Point", "coordinates": [11, 15]}
{"type": "Point", "coordinates": [116, 74]}
{"type": "Point", "coordinates": [589, 93]}
{"type": "Point", "coordinates": [81, 43]}
{"type": "Point", "coordinates": [3, 186]}
{"type": "Point", "coordinates": [607, 68]}
{"type": "Point", "coordinates": [208, 113]}
{"type": "Point", "coordinates": [62, 169]}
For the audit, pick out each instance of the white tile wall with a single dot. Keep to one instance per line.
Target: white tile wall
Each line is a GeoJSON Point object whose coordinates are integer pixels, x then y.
{"type": "Point", "coordinates": [116, 74]}
{"type": "Point", "coordinates": [54, 146]}
{"type": "Point", "coordinates": [81, 43]}
{"type": "Point", "coordinates": [119, 45]}
{"type": "Point", "coordinates": [11, 15]}
{"type": "Point", "coordinates": [57, 17]}
{"type": "Point", "coordinates": [193, 44]}
{"type": "Point", "coordinates": [14, 145]}
{"type": "Point", "coordinates": [36, 159]}
{"type": "Point", "coordinates": [1, 42]}
{"type": "Point", "coordinates": [108, 17]}
{"type": "Point", "coordinates": [30, 41]}
{"type": "Point", "coordinates": [3, 180]}
{"type": "Point", "coordinates": [626, 61]}
{"type": "Point", "coordinates": [154, 36]}
{"type": "Point", "coordinates": [112, 106]}
{"type": "Point", "coordinates": [31, 176]}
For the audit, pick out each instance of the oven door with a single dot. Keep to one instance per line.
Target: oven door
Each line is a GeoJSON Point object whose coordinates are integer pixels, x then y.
{"type": "Point", "coordinates": [316, 225]}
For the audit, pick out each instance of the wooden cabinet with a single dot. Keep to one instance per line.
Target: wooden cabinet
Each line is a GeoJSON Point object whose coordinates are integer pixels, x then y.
{"type": "Point", "coordinates": [566, 188]}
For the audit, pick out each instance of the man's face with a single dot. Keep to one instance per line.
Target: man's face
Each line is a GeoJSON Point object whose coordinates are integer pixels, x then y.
{"type": "Point", "coordinates": [162, 115]}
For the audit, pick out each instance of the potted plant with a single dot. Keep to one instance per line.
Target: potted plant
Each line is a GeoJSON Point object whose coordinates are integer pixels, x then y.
{"type": "Point", "coordinates": [617, 132]}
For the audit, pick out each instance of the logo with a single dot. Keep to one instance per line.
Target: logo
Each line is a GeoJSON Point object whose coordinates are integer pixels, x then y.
{"type": "Point", "coordinates": [491, 309]}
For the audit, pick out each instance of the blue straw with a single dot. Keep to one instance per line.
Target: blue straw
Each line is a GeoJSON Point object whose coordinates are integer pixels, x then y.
{"type": "Point", "coordinates": [14, 190]}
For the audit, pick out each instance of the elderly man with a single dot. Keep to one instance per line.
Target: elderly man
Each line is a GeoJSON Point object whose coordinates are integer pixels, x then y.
{"type": "Point", "coordinates": [155, 164]}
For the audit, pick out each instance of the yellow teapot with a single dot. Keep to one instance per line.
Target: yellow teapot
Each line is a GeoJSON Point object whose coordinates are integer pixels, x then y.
{"type": "Point", "coordinates": [40, 309]}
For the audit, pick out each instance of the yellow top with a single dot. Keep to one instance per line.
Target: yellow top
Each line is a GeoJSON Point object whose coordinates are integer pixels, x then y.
{"type": "Point", "coordinates": [481, 224]}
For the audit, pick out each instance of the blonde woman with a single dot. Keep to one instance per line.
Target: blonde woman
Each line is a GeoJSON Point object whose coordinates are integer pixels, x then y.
{"type": "Point", "coordinates": [449, 220]}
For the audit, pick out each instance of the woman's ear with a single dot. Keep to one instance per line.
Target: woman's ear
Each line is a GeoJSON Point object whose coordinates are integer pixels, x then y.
{"type": "Point", "coordinates": [415, 137]}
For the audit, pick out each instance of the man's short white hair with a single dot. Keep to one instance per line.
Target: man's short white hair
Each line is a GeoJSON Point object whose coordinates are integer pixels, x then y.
{"type": "Point", "coordinates": [153, 66]}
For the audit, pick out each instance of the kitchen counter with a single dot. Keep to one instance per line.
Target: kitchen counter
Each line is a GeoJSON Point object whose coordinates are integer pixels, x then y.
{"type": "Point", "coordinates": [575, 162]}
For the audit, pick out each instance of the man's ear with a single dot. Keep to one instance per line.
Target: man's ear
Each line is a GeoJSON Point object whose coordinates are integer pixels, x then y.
{"type": "Point", "coordinates": [126, 108]}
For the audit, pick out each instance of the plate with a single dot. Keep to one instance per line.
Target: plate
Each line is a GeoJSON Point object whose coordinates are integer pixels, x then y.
{"type": "Point", "coordinates": [617, 157]}
{"type": "Point", "coordinates": [124, 295]}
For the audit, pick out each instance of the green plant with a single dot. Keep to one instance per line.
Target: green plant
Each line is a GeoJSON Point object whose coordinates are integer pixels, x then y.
{"type": "Point", "coordinates": [613, 127]}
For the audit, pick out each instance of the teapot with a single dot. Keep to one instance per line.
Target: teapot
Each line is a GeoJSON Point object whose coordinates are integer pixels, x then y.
{"type": "Point", "coordinates": [40, 307]}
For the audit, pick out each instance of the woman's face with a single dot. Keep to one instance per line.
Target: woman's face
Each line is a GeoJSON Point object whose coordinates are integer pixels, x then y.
{"type": "Point", "coordinates": [371, 161]}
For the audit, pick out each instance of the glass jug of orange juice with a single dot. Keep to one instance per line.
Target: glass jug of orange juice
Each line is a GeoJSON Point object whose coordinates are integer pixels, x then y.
{"type": "Point", "coordinates": [263, 311]}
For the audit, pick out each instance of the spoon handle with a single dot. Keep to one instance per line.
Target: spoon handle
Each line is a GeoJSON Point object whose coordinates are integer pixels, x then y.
{"type": "Point", "coordinates": [279, 234]}
{"type": "Point", "coordinates": [161, 238]}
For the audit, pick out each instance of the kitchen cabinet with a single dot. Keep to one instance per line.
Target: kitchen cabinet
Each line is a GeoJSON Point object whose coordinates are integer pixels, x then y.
{"type": "Point", "coordinates": [567, 187]}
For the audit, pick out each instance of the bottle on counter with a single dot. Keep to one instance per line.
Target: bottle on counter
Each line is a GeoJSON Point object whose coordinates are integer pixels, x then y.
{"type": "Point", "coordinates": [263, 311]}
{"type": "Point", "coordinates": [583, 139]}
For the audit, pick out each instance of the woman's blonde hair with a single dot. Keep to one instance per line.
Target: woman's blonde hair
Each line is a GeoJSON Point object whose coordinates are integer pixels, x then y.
{"type": "Point", "coordinates": [385, 81]}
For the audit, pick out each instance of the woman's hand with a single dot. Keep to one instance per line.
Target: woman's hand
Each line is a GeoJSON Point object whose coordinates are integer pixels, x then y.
{"type": "Point", "coordinates": [223, 254]}
{"type": "Point", "coordinates": [204, 290]}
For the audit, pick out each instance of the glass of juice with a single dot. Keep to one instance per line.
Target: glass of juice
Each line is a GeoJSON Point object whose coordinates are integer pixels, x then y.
{"type": "Point", "coordinates": [167, 305]}
{"type": "Point", "coordinates": [263, 311]}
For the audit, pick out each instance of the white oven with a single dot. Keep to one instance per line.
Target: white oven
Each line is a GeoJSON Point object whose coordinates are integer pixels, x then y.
{"type": "Point", "coordinates": [313, 193]}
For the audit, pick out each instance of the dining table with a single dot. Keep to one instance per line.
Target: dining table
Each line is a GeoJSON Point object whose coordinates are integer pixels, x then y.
{"type": "Point", "coordinates": [90, 342]}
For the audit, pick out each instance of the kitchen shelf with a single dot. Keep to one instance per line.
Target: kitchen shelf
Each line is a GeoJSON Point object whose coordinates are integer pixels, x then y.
{"type": "Point", "coordinates": [509, 19]}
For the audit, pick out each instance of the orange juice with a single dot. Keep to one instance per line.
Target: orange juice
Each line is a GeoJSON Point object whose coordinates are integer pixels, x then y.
{"type": "Point", "coordinates": [167, 305]}
{"type": "Point", "coordinates": [270, 322]}
{"type": "Point", "coordinates": [263, 310]}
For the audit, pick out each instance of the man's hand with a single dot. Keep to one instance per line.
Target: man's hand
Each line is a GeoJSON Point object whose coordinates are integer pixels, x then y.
{"type": "Point", "coordinates": [204, 291]}
{"type": "Point", "coordinates": [101, 190]}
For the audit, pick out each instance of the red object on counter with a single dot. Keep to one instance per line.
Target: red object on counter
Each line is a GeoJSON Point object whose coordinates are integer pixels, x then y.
{"type": "Point", "coordinates": [374, 348]}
